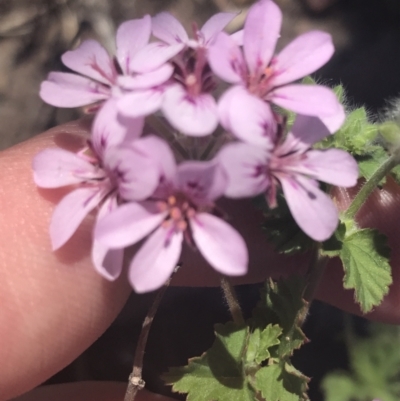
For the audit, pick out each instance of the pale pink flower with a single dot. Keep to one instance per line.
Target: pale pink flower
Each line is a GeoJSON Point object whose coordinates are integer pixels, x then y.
{"type": "Point", "coordinates": [101, 76]}
{"type": "Point", "coordinates": [260, 77]}
{"type": "Point", "coordinates": [174, 38]}
{"type": "Point", "coordinates": [297, 168]}
{"type": "Point", "coordinates": [181, 208]}
{"type": "Point", "coordinates": [104, 173]}
{"type": "Point", "coordinates": [186, 100]}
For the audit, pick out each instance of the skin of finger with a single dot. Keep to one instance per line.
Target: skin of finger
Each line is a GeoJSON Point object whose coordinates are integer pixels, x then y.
{"type": "Point", "coordinates": [87, 391]}
{"type": "Point", "coordinates": [53, 304]}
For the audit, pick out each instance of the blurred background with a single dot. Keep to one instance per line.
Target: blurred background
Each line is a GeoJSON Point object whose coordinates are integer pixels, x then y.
{"type": "Point", "coordinates": [33, 36]}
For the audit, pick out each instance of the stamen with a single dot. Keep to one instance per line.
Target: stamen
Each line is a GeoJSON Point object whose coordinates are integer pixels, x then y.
{"type": "Point", "coordinates": [162, 206]}
{"type": "Point", "coordinates": [175, 213]}
{"type": "Point", "coordinates": [191, 80]}
{"type": "Point", "coordinates": [182, 225]}
{"type": "Point", "coordinates": [190, 213]}
{"type": "Point", "coordinates": [166, 224]}
{"type": "Point", "coordinates": [171, 200]}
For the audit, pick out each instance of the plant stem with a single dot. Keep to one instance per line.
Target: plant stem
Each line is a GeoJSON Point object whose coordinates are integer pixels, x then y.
{"type": "Point", "coordinates": [313, 278]}
{"type": "Point", "coordinates": [231, 299]}
{"type": "Point", "coordinates": [370, 186]}
{"type": "Point", "coordinates": [159, 126]}
{"type": "Point", "coordinates": [136, 382]}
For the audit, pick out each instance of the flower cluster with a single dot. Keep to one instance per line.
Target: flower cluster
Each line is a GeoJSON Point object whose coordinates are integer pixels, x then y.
{"type": "Point", "coordinates": [130, 174]}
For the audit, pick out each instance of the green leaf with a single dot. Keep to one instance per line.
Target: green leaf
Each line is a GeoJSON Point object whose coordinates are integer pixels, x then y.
{"type": "Point", "coordinates": [281, 382]}
{"type": "Point", "coordinates": [365, 257]}
{"type": "Point", "coordinates": [340, 386]}
{"type": "Point", "coordinates": [368, 164]}
{"type": "Point", "coordinates": [281, 304]}
{"type": "Point", "coordinates": [281, 228]}
{"type": "Point", "coordinates": [218, 374]}
{"type": "Point", "coordinates": [375, 368]}
{"type": "Point", "coordinates": [333, 245]}
{"type": "Point", "coordinates": [356, 136]}
{"type": "Point", "coordinates": [260, 341]}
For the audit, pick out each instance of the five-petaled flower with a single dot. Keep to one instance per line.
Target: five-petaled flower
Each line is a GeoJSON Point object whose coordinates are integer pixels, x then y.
{"type": "Point", "coordinates": [112, 168]}
{"type": "Point", "coordinates": [186, 100]}
{"type": "Point", "coordinates": [101, 76]}
{"type": "Point", "coordinates": [181, 208]}
{"type": "Point", "coordinates": [261, 78]}
{"type": "Point", "coordinates": [297, 168]}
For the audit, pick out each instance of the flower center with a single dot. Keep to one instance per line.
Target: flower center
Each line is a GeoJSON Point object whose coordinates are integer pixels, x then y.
{"type": "Point", "coordinates": [260, 83]}
{"type": "Point", "coordinates": [193, 72]}
{"type": "Point", "coordinates": [180, 210]}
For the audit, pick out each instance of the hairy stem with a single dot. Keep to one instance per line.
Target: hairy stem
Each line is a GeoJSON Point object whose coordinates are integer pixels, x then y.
{"type": "Point", "coordinates": [313, 278]}
{"type": "Point", "coordinates": [136, 382]}
{"type": "Point", "coordinates": [370, 186]}
{"type": "Point", "coordinates": [231, 299]}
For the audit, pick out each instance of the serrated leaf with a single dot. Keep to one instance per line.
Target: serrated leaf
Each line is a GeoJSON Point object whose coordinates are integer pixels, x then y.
{"type": "Point", "coordinates": [218, 374]}
{"type": "Point", "coordinates": [365, 257]}
{"type": "Point", "coordinates": [260, 341]}
{"type": "Point", "coordinates": [368, 164]}
{"type": "Point", "coordinates": [281, 304]}
{"type": "Point", "coordinates": [356, 136]}
{"type": "Point", "coordinates": [281, 382]}
{"type": "Point", "coordinates": [340, 93]}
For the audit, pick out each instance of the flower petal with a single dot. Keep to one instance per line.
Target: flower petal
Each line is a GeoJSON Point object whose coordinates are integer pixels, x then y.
{"type": "Point", "coordinates": [132, 36]}
{"type": "Point", "coordinates": [220, 244]}
{"type": "Point", "coordinates": [226, 59]}
{"type": "Point", "coordinates": [313, 210]}
{"type": "Point", "coordinates": [245, 165]}
{"type": "Point", "coordinates": [160, 152]}
{"type": "Point", "coordinates": [335, 121]}
{"type": "Point", "coordinates": [238, 37]}
{"type": "Point", "coordinates": [141, 103]}
{"type": "Point", "coordinates": [154, 55]}
{"type": "Point", "coordinates": [203, 182]}
{"type": "Point", "coordinates": [53, 168]}
{"type": "Point", "coordinates": [168, 29]}
{"type": "Point", "coordinates": [261, 32]}
{"type": "Point", "coordinates": [192, 115]}
{"type": "Point", "coordinates": [147, 79]}
{"type": "Point", "coordinates": [107, 262]}
{"type": "Point", "coordinates": [247, 117]}
{"type": "Point", "coordinates": [333, 166]}
{"type": "Point", "coordinates": [128, 224]}
{"type": "Point", "coordinates": [71, 211]}
{"type": "Point", "coordinates": [306, 131]}
{"type": "Point", "coordinates": [62, 89]}
{"type": "Point", "coordinates": [92, 60]}
{"type": "Point", "coordinates": [215, 25]}
{"type": "Point", "coordinates": [156, 260]}
{"type": "Point", "coordinates": [302, 56]}
{"type": "Point", "coordinates": [310, 100]}
{"type": "Point", "coordinates": [137, 173]}
{"type": "Point", "coordinates": [110, 128]}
